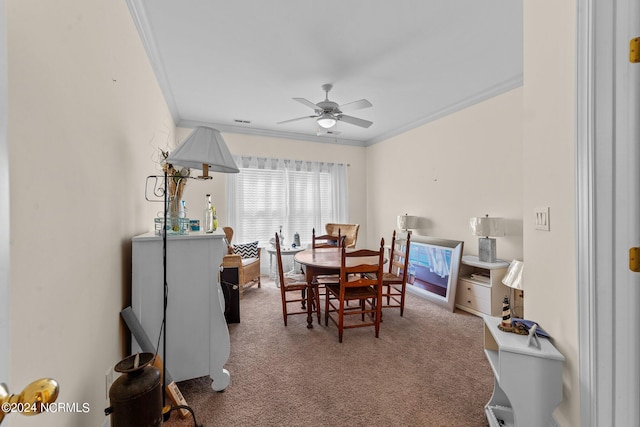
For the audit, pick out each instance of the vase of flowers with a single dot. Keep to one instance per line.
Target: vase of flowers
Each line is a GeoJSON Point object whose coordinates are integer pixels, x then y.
{"type": "Point", "coordinates": [176, 181]}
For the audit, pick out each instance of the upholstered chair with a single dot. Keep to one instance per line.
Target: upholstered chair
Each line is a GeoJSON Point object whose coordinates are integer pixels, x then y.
{"type": "Point", "coordinates": [246, 258]}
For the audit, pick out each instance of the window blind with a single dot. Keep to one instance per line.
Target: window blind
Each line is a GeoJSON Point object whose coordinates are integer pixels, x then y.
{"type": "Point", "coordinates": [296, 195]}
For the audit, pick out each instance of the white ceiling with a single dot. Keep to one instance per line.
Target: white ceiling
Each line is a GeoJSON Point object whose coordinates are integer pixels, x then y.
{"type": "Point", "coordinates": [414, 60]}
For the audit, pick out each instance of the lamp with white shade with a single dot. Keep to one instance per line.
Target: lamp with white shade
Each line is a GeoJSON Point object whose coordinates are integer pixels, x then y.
{"type": "Point", "coordinates": [206, 150]}
{"type": "Point", "coordinates": [513, 279]}
{"type": "Point", "coordinates": [407, 222]}
{"type": "Point", "coordinates": [488, 227]}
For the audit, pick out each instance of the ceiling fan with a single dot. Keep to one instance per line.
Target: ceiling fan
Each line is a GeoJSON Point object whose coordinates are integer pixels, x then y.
{"type": "Point", "coordinates": [328, 113]}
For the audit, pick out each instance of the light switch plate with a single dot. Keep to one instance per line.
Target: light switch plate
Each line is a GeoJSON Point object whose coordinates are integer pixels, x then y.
{"type": "Point", "coordinates": [542, 218]}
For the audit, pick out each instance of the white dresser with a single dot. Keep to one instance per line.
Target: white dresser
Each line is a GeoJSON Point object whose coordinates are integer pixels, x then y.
{"type": "Point", "coordinates": [197, 335]}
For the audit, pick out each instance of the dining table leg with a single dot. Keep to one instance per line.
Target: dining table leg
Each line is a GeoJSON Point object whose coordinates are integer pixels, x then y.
{"type": "Point", "coordinates": [310, 297]}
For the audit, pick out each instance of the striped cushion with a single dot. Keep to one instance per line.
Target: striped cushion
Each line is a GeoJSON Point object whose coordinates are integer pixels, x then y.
{"type": "Point", "coordinates": [246, 250]}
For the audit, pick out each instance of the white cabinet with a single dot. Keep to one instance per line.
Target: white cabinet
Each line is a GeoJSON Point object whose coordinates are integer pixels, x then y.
{"type": "Point", "coordinates": [480, 289]}
{"type": "Point", "coordinates": [527, 379]}
{"type": "Point", "coordinates": [197, 335]}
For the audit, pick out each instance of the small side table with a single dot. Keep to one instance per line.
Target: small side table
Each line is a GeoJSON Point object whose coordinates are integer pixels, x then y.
{"type": "Point", "coordinates": [527, 385]}
{"type": "Point", "coordinates": [284, 252]}
{"type": "Point", "coordinates": [480, 289]}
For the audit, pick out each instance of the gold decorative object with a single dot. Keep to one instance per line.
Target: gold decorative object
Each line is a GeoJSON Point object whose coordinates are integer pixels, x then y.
{"type": "Point", "coordinates": [31, 400]}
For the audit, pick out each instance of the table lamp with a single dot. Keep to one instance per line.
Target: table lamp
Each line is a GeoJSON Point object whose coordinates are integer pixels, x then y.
{"type": "Point", "coordinates": [488, 227]}
{"type": "Point", "coordinates": [513, 279]}
{"type": "Point", "coordinates": [407, 222]}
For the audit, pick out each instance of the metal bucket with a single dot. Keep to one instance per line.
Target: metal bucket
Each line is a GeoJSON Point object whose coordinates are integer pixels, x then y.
{"type": "Point", "coordinates": [136, 396]}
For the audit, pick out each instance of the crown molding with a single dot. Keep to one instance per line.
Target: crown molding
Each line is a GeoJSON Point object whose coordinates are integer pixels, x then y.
{"type": "Point", "coordinates": [498, 89]}
{"type": "Point", "coordinates": [139, 15]}
{"type": "Point", "coordinates": [272, 134]}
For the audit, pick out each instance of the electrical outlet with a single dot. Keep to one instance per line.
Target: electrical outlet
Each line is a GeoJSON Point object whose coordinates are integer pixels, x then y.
{"type": "Point", "coordinates": [542, 218]}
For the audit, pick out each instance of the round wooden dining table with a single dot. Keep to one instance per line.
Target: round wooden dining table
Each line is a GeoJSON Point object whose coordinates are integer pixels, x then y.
{"type": "Point", "coordinates": [323, 261]}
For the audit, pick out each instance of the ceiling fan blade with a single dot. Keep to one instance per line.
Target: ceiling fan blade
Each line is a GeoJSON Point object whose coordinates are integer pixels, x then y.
{"type": "Point", "coordinates": [356, 105]}
{"type": "Point", "coordinates": [296, 119]}
{"type": "Point", "coordinates": [355, 121]}
{"type": "Point", "coordinates": [307, 103]}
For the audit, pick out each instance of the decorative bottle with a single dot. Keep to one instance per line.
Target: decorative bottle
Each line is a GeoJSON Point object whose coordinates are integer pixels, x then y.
{"type": "Point", "coordinates": [215, 218]}
{"type": "Point", "coordinates": [208, 224]}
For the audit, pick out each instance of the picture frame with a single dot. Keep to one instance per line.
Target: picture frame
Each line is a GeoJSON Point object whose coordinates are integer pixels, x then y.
{"type": "Point", "coordinates": [434, 265]}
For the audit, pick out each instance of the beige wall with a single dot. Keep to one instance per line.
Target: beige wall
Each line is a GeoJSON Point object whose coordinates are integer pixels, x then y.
{"type": "Point", "coordinates": [464, 165]}
{"type": "Point", "coordinates": [549, 180]}
{"type": "Point", "coordinates": [85, 118]}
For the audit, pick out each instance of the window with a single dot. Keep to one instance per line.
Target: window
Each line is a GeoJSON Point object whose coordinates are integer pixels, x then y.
{"type": "Point", "coordinates": [296, 195]}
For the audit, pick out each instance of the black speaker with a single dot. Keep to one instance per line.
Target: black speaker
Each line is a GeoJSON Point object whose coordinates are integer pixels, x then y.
{"type": "Point", "coordinates": [231, 289]}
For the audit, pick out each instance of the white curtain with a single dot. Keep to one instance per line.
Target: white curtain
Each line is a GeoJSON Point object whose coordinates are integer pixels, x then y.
{"type": "Point", "coordinates": [295, 195]}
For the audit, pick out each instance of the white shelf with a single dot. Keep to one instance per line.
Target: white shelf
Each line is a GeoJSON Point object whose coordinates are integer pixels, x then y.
{"type": "Point", "coordinates": [493, 358]}
{"type": "Point", "coordinates": [527, 379]}
{"type": "Point", "coordinates": [475, 262]}
{"type": "Point", "coordinates": [480, 278]}
{"type": "Point", "coordinates": [500, 416]}
{"type": "Point", "coordinates": [514, 343]}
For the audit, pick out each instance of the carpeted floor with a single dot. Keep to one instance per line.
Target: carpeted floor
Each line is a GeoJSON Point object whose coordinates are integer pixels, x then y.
{"type": "Point", "coordinates": [427, 368]}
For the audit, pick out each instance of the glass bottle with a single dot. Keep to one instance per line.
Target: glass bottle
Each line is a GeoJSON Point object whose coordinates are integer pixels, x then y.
{"type": "Point", "coordinates": [215, 218]}
{"type": "Point", "coordinates": [183, 210]}
{"type": "Point", "coordinates": [208, 216]}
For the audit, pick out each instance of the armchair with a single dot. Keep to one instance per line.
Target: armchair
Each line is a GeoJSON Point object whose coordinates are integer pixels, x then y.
{"type": "Point", "coordinates": [244, 257]}
{"type": "Point", "coordinates": [349, 231]}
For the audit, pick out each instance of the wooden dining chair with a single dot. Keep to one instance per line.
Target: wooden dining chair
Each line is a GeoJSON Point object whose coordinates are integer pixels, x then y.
{"type": "Point", "coordinates": [394, 281]}
{"type": "Point", "coordinates": [360, 279]}
{"type": "Point", "coordinates": [326, 240]}
{"type": "Point", "coordinates": [293, 288]}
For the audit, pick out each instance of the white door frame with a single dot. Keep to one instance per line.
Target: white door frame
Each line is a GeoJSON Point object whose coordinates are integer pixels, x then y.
{"type": "Point", "coordinates": [4, 206]}
{"type": "Point", "coordinates": [607, 213]}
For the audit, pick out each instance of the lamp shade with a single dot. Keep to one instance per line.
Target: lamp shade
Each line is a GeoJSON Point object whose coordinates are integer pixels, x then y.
{"type": "Point", "coordinates": [204, 149]}
{"type": "Point", "coordinates": [407, 222]}
{"type": "Point", "coordinates": [487, 226]}
{"type": "Point", "coordinates": [513, 278]}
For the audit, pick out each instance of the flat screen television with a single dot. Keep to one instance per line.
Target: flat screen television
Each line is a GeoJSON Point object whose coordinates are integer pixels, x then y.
{"type": "Point", "coordinates": [433, 269]}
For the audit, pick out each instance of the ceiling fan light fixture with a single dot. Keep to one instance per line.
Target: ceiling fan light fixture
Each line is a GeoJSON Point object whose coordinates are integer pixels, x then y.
{"type": "Point", "coordinates": [326, 121]}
